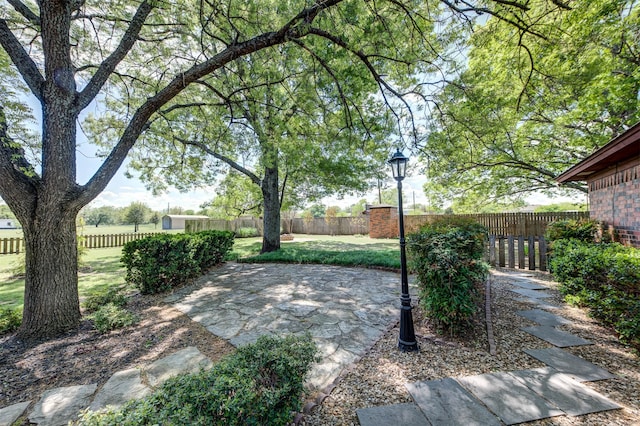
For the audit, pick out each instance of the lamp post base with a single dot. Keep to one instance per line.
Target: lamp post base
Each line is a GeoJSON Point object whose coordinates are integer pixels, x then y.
{"type": "Point", "coordinates": [407, 340]}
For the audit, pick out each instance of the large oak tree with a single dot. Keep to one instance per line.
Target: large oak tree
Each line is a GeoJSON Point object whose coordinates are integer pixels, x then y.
{"type": "Point", "coordinates": [75, 53]}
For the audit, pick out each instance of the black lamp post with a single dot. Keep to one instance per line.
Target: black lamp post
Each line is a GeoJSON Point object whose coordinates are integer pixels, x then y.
{"type": "Point", "coordinates": [407, 340]}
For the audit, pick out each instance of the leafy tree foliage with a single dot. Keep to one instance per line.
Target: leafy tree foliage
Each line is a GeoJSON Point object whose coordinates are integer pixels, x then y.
{"type": "Point", "coordinates": [155, 219]}
{"type": "Point", "coordinates": [103, 215]}
{"type": "Point", "coordinates": [136, 214]}
{"type": "Point", "coordinates": [529, 106]}
{"type": "Point", "coordinates": [5, 212]}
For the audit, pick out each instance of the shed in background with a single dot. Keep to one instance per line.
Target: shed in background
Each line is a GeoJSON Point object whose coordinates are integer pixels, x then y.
{"type": "Point", "coordinates": [176, 221]}
{"type": "Point", "coordinates": [8, 224]}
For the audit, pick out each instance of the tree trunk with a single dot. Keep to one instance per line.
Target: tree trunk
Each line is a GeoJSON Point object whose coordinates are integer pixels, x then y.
{"type": "Point", "coordinates": [271, 218]}
{"type": "Point", "coordinates": [51, 304]}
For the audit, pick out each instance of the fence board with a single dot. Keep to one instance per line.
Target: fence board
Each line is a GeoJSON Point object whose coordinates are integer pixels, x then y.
{"type": "Point", "coordinates": [511, 255]}
{"type": "Point", "coordinates": [530, 252]}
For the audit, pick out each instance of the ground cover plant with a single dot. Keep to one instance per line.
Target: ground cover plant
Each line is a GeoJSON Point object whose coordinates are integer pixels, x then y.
{"type": "Point", "coordinates": [447, 258]}
{"type": "Point", "coordinates": [260, 384]}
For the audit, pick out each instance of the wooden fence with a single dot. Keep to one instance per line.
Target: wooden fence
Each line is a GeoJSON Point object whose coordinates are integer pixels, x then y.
{"type": "Point", "coordinates": [16, 245]}
{"type": "Point", "coordinates": [522, 252]}
{"type": "Point", "coordinates": [505, 224]}
{"type": "Point", "coordinates": [357, 225]}
{"type": "Point", "coordinates": [223, 225]}
{"type": "Point", "coordinates": [11, 245]}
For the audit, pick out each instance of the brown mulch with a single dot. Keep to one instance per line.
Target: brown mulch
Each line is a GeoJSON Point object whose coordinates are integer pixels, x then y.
{"type": "Point", "coordinates": [85, 356]}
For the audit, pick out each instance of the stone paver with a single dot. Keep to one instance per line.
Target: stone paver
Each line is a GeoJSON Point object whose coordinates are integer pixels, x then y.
{"type": "Point", "coordinates": [445, 402]}
{"type": "Point", "coordinates": [528, 284]}
{"type": "Point", "coordinates": [121, 387]}
{"type": "Point", "coordinates": [532, 294]}
{"type": "Point", "coordinates": [543, 317]}
{"type": "Point", "coordinates": [540, 303]}
{"type": "Point", "coordinates": [58, 406]}
{"type": "Point", "coordinates": [569, 364]}
{"type": "Point", "coordinates": [509, 398]}
{"type": "Point", "coordinates": [10, 414]}
{"type": "Point", "coordinates": [567, 394]}
{"type": "Point", "coordinates": [556, 337]}
{"type": "Point", "coordinates": [397, 414]}
{"type": "Point", "coordinates": [187, 360]}
{"type": "Point", "coordinates": [344, 309]}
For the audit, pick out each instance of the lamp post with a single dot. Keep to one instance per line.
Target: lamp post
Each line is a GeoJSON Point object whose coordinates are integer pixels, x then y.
{"type": "Point", "coordinates": [407, 340]}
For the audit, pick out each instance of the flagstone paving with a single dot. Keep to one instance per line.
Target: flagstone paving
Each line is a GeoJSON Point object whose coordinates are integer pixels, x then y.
{"type": "Point", "coordinates": [543, 317]}
{"type": "Point", "coordinates": [569, 364]}
{"type": "Point", "coordinates": [511, 397]}
{"type": "Point", "coordinates": [346, 310]}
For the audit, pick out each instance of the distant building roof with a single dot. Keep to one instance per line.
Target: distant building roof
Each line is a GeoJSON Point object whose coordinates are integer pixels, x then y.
{"type": "Point", "coordinates": [624, 147]}
{"type": "Point", "coordinates": [185, 216]}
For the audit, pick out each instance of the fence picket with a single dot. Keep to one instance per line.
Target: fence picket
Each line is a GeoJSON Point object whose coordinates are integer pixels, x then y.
{"type": "Point", "coordinates": [511, 255]}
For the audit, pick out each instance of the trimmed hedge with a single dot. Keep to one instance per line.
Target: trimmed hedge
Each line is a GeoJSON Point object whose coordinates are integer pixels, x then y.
{"type": "Point", "coordinates": [447, 258]}
{"type": "Point", "coordinates": [603, 277]}
{"type": "Point", "coordinates": [260, 384]}
{"type": "Point", "coordinates": [161, 262]}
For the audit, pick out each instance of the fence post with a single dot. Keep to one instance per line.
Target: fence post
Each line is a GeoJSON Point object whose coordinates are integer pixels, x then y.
{"type": "Point", "coordinates": [512, 257]}
{"type": "Point", "coordinates": [492, 250]}
{"type": "Point", "coordinates": [501, 251]}
{"type": "Point", "coordinates": [521, 252]}
{"type": "Point", "coordinates": [542, 246]}
{"type": "Point", "coordinates": [532, 253]}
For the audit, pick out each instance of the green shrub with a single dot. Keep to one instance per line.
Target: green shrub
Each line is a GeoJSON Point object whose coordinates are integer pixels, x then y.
{"type": "Point", "coordinates": [161, 262]}
{"type": "Point", "coordinates": [578, 229]}
{"type": "Point", "coordinates": [447, 258]}
{"type": "Point", "coordinates": [96, 300]}
{"type": "Point", "coordinates": [605, 278]}
{"type": "Point", "coordinates": [247, 233]}
{"type": "Point", "coordinates": [110, 317]}
{"type": "Point", "coordinates": [10, 320]}
{"type": "Point", "coordinates": [260, 384]}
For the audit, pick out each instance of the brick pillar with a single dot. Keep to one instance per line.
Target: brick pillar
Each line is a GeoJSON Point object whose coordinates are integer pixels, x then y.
{"type": "Point", "coordinates": [383, 221]}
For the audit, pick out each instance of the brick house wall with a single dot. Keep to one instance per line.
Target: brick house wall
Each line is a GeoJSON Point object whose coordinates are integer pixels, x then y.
{"type": "Point", "coordinates": [383, 222]}
{"type": "Point", "coordinates": [612, 174]}
{"type": "Point", "coordinates": [614, 198]}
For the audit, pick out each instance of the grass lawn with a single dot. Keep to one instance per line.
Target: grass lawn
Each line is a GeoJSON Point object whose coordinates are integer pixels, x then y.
{"type": "Point", "coordinates": [345, 250]}
{"type": "Point", "coordinates": [105, 269]}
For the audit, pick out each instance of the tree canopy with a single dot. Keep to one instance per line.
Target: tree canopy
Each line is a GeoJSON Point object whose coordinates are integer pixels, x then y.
{"type": "Point", "coordinates": [138, 65]}
{"type": "Point", "coordinates": [527, 106]}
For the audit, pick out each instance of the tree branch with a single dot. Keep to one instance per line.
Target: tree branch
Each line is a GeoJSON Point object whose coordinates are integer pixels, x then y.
{"type": "Point", "coordinates": [17, 177]}
{"type": "Point", "coordinates": [295, 28]}
{"type": "Point", "coordinates": [108, 65]}
{"type": "Point", "coordinates": [254, 178]}
{"type": "Point", "coordinates": [21, 60]}
{"type": "Point", "coordinates": [24, 10]}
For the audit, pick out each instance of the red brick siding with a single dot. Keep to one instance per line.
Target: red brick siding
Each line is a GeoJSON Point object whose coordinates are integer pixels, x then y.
{"type": "Point", "coordinates": [383, 222]}
{"type": "Point", "coordinates": [614, 198]}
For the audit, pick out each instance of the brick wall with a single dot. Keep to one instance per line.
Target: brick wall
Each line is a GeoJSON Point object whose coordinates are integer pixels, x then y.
{"type": "Point", "coordinates": [614, 197]}
{"type": "Point", "coordinates": [383, 222]}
